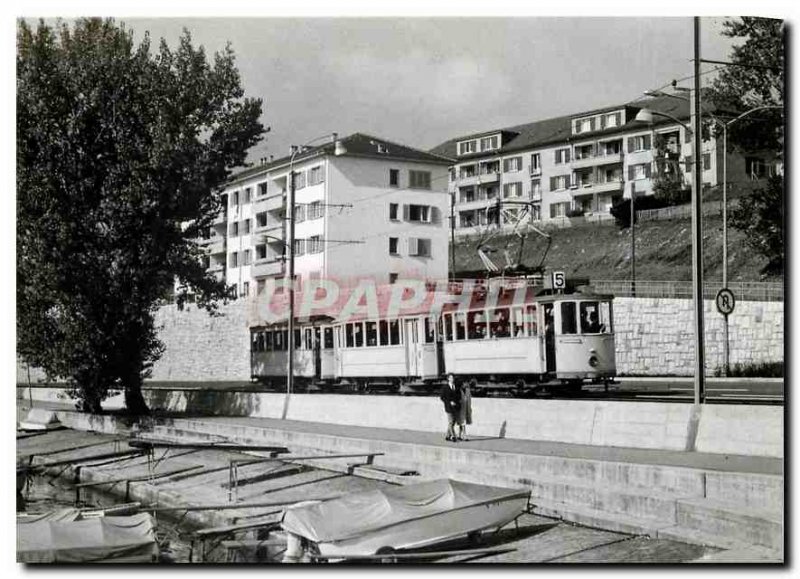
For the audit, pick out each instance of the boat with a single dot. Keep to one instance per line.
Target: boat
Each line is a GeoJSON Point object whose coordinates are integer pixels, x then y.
{"type": "Point", "coordinates": [67, 536]}
{"type": "Point", "coordinates": [407, 517]}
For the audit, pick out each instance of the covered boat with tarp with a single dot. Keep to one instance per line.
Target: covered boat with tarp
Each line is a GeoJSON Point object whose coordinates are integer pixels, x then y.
{"type": "Point", "coordinates": [406, 517]}
{"type": "Point", "coordinates": [67, 536]}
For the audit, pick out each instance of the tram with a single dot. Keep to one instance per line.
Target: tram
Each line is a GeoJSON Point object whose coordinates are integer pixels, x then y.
{"type": "Point", "coordinates": [545, 340]}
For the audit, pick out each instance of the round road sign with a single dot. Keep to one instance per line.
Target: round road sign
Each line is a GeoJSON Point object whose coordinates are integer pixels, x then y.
{"type": "Point", "coordinates": [725, 301]}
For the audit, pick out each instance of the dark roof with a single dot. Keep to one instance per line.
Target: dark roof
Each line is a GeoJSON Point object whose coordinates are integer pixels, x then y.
{"type": "Point", "coordinates": [559, 129]}
{"type": "Point", "coordinates": [357, 144]}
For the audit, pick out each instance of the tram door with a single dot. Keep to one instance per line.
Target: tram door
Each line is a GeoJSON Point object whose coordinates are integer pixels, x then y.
{"type": "Point", "coordinates": [317, 348]}
{"type": "Point", "coordinates": [411, 338]}
{"type": "Point", "coordinates": [549, 338]}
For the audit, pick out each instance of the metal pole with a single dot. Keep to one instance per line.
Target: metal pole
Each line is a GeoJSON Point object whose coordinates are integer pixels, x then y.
{"type": "Point", "coordinates": [633, 241]}
{"type": "Point", "coordinates": [453, 235]}
{"type": "Point", "coordinates": [290, 249]}
{"type": "Point", "coordinates": [726, 364]}
{"type": "Point", "coordinates": [697, 227]}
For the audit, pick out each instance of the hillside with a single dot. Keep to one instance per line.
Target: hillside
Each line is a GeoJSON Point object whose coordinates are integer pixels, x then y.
{"type": "Point", "coordinates": [663, 252]}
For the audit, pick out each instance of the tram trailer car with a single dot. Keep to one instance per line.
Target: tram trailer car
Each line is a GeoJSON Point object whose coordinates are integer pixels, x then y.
{"type": "Point", "coordinates": [552, 340]}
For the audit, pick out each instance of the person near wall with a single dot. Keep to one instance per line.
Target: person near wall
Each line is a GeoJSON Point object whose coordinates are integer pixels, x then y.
{"type": "Point", "coordinates": [465, 412]}
{"type": "Point", "coordinates": [451, 398]}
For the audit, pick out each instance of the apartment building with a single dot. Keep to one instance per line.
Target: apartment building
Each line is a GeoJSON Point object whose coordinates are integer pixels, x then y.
{"type": "Point", "coordinates": [365, 207]}
{"type": "Point", "coordinates": [578, 165]}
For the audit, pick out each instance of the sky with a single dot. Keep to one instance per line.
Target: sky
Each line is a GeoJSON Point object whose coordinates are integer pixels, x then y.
{"type": "Point", "coordinates": [421, 81]}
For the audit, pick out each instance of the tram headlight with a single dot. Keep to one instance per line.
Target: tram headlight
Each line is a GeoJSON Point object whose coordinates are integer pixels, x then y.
{"type": "Point", "coordinates": [593, 361]}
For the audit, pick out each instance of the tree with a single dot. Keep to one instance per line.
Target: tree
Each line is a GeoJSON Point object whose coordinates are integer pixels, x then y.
{"type": "Point", "coordinates": [757, 82]}
{"type": "Point", "coordinates": [119, 153]}
{"type": "Point", "coordinates": [668, 183]}
{"type": "Point", "coordinates": [760, 216]}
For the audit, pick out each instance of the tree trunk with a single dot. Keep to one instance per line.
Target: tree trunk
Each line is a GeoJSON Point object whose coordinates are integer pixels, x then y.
{"type": "Point", "coordinates": [134, 399]}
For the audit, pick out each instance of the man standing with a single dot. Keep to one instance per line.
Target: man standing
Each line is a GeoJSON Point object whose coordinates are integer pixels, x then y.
{"type": "Point", "coordinates": [451, 398]}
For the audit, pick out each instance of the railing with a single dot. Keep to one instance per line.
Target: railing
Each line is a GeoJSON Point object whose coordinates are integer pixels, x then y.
{"type": "Point", "coordinates": [748, 291]}
{"type": "Point", "coordinates": [678, 212]}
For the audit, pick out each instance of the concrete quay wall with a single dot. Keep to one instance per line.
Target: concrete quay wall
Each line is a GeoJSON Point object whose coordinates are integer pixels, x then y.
{"type": "Point", "coordinates": [726, 429]}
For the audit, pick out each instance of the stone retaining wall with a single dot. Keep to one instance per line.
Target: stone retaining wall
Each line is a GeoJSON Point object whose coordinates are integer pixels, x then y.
{"type": "Point", "coordinates": [654, 336]}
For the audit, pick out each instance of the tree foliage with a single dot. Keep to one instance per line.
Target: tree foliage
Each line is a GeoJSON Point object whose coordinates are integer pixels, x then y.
{"type": "Point", "coordinates": [668, 181]}
{"type": "Point", "coordinates": [760, 216]}
{"type": "Point", "coordinates": [760, 42]}
{"type": "Point", "coordinates": [119, 152]}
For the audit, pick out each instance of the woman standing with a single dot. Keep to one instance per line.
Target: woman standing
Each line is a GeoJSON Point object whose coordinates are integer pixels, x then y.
{"type": "Point", "coordinates": [465, 412]}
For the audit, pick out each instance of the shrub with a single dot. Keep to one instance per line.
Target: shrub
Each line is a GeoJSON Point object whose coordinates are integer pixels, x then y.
{"type": "Point", "coordinates": [753, 370]}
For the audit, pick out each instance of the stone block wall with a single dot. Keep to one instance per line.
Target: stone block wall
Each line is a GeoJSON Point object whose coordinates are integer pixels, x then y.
{"type": "Point", "coordinates": [201, 347]}
{"type": "Point", "coordinates": [656, 335]}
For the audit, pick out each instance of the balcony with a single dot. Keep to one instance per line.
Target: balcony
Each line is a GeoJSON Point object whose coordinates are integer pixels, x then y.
{"type": "Point", "coordinates": [220, 218]}
{"type": "Point", "coordinates": [467, 180]}
{"type": "Point", "coordinates": [592, 160]}
{"type": "Point", "coordinates": [607, 186]}
{"type": "Point", "coordinates": [268, 267]}
{"type": "Point", "coordinates": [608, 158]}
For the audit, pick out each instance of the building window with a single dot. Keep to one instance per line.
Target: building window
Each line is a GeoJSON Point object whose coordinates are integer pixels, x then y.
{"type": "Point", "coordinates": [393, 242]}
{"type": "Point", "coordinates": [639, 143]}
{"type": "Point", "coordinates": [562, 156]}
{"type": "Point", "coordinates": [584, 125]}
{"type": "Point", "coordinates": [418, 213]}
{"type": "Point", "coordinates": [315, 210]}
{"type": "Point", "coordinates": [261, 251]}
{"type": "Point", "coordinates": [234, 229]}
{"type": "Point", "coordinates": [612, 120]}
{"type": "Point", "coordinates": [235, 199]}
{"type": "Point", "coordinates": [419, 247]}
{"type": "Point", "coordinates": [314, 244]}
{"type": "Point", "coordinates": [610, 148]}
{"type": "Point", "coordinates": [489, 192]}
{"type": "Point", "coordinates": [536, 188]}
{"type": "Point", "coordinates": [234, 259]}
{"type": "Point", "coordinates": [247, 195]}
{"type": "Point", "coordinates": [559, 182]}
{"type": "Point", "coordinates": [584, 152]}
{"type": "Point", "coordinates": [467, 171]}
{"type": "Point", "coordinates": [261, 285]}
{"type": "Point", "coordinates": [299, 180]}
{"type": "Point", "coordinates": [394, 177]}
{"type": "Point", "coordinates": [419, 179]}
{"type": "Point", "coordinates": [512, 165]}
{"type": "Point", "coordinates": [467, 195]}
{"type": "Point", "coordinates": [452, 174]}
{"type": "Point", "coordinates": [246, 226]}
{"type": "Point", "coordinates": [262, 189]}
{"type": "Point", "coordinates": [299, 213]}
{"type": "Point", "coordinates": [299, 247]}
{"type": "Point", "coordinates": [489, 167]}
{"type": "Point", "coordinates": [706, 161]}
{"type": "Point", "coordinates": [466, 147]}
{"type": "Point", "coordinates": [247, 257]}
{"type": "Point", "coordinates": [755, 167]}
{"type": "Point", "coordinates": [245, 289]}
{"type": "Point", "coordinates": [261, 219]}
{"type": "Point", "coordinates": [559, 210]}
{"type": "Point", "coordinates": [392, 279]}
{"type": "Point", "coordinates": [536, 163]}
{"type": "Point", "coordinates": [393, 211]}
{"type": "Point", "coordinates": [512, 190]}
{"type": "Point", "coordinates": [489, 143]}
{"type": "Point", "coordinates": [641, 171]}
{"type": "Point", "coordinates": [316, 176]}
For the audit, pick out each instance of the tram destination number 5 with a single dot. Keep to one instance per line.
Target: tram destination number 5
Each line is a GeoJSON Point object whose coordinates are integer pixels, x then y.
{"type": "Point", "coordinates": [725, 301]}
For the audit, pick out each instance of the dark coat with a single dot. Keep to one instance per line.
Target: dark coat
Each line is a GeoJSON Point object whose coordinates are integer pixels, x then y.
{"type": "Point", "coordinates": [451, 399]}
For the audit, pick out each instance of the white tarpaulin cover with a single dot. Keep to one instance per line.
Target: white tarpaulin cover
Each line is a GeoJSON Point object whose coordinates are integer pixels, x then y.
{"type": "Point", "coordinates": [358, 515]}
{"type": "Point", "coordinates": [60, 538]}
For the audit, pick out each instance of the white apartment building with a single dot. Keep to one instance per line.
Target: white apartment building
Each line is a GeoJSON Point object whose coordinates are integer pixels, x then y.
{"type": "Point", "coordinates": [578, 164]}
{"type": "Point", "coordinates": [365, 208]}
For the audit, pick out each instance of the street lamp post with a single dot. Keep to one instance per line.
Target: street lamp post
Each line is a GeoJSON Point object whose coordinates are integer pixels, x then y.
{"type": "Point", "coordinates": [290, 273]}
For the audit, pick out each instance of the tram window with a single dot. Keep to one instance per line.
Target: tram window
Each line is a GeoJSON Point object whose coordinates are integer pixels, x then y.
{"type": "Point", "coordinates": [372, 334]}
{"type": "Point", "coordinates": [500, 323]}
{"type": "Point", "coordinates": [530, 320]}
{"type": "Point", "coordinates": [308, 343]}
{"type": "Point", "coordinates": [267, 341]}
{"type": "Point", "coordinates": [590, 320]}
{"type": "Point", "coordinates": [285, 336]}
{"type": "Point", "coordinates": [327, 338]}
{"type": "Point", "coordinates": [568, 322]}
{"type": "Point", "coordinates": [358, 332]}
{"type": "Point", "coordinates": [429, 333]}
{"type": "Point", "coordinates": [297, 341]}
{"type": "Point", "coordinates": [606, 318]}
{"type": "Point", "coordinates": [261, 341]}
{"type": "Point", "coordinates": [383, 332]}
{"type": "Point", "coordinates": [517, 323]}
{"type": "Point", "coordinates": [476, 325]}
{"type": "Point", "coordinates": [348, 335]}
{"type": "Point", "coordinates": [394, 332]}
{"type": "Point", "coordinates": [461, 332]}
{"type": "Point", "coordinates": [278, 340]}
{"type": "Point", "coordinates": [448, 327]}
